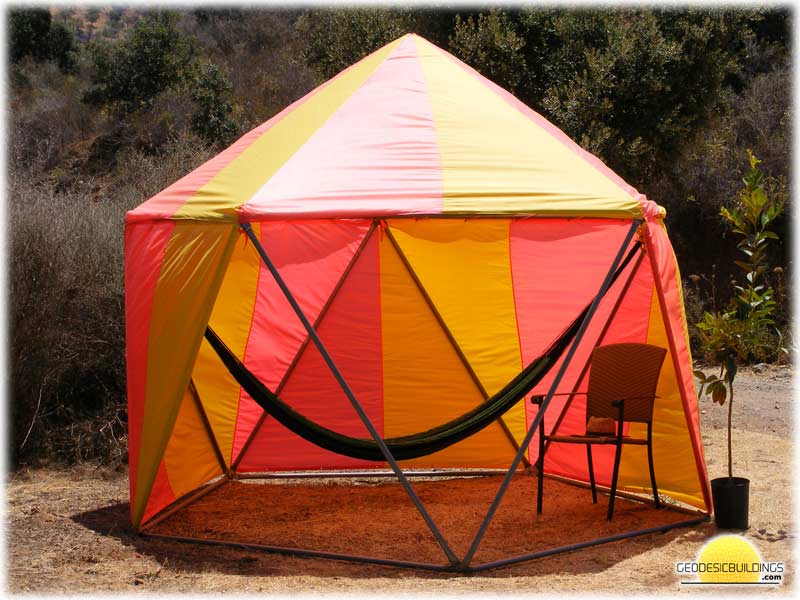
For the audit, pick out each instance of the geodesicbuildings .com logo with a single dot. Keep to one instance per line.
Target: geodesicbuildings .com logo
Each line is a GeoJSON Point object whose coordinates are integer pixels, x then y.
{"type": "Point", "coordinates": [729, 559]}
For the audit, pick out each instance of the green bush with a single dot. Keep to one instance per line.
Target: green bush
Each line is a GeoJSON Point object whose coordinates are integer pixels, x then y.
{"type": "Point", "coordinates": [214, 117]}
{"type": "Point", "coordinates": [33, 33]}
{"type": "Point", "coordinates": [130, 73]}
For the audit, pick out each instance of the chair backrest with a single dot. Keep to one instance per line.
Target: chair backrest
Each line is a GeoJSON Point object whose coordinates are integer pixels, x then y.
{"type": "Point", "coordinates": [624, 371]}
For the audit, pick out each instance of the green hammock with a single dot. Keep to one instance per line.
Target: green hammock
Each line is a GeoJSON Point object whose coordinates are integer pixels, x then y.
{"type": "Point", "coordinates": [410, 446]}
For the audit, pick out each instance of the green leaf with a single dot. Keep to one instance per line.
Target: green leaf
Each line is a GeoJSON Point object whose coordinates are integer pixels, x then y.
{"type": "Point", "coordinates": [719, 393]}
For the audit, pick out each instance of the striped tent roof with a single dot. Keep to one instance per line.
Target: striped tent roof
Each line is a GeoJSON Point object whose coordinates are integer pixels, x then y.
{"type": "Point", "coordinates": [408, 130]}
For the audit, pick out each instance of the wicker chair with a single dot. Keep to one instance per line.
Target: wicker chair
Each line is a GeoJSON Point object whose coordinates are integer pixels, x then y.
{"type": "Point", "coordinates": [622, 386]}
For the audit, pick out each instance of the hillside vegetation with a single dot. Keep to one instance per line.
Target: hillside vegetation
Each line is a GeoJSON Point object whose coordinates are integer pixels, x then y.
{"type": "Point", "coordinates": [110, 105]}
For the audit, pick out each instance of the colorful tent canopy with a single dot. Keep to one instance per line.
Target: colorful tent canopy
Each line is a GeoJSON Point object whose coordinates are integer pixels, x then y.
{"type": "Point", "coordinates": [439, 234]}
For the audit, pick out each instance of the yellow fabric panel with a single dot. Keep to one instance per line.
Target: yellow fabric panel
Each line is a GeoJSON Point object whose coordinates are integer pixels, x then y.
{"type": "Point", "coordinates": [464, 266]}
{"type": "Point", "coordinates": [234, 185]}
{"type": "Point", "coordinates": [425, 383]}
{"type": "Point", "coordinates": [191, 273]}
{"type": "Point", "coordinates": [231, 319]}
{"type": "Point", "coordinates": [676, 474]}
{"type": "Point", "coordinates": [495, 159]}
{"type": "Point", "coordinates": [189, 456]}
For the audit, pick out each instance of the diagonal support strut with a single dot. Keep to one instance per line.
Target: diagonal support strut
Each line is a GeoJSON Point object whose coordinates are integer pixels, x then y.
{"type": "Point", "coordinates": [323, 311]}
{"type": "Point", "coordinates": [543, 407]}
{"type": "Point", "coordinates": [351, 396]}
{"type": "Point", "coordinates": [600, 339]}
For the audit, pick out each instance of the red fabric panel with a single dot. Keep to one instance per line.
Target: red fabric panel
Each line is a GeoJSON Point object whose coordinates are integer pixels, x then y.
{"type": "Point", "coordinates": [161, 495]}
{"type": "Point", "coordinates": [311, 257]}
{"type": "Point", "coordinates": [558, 266]}
{"type": "Point", "coordinates": [630, 324]}
{"type": "Point", "coordinates": [144, 251]}
{"type": "Point", "coordinates": [351, 332]}
{"type": "Point", "coordinates": [662, 259]}
{"type": "Point", "coordinates": [392, 159]}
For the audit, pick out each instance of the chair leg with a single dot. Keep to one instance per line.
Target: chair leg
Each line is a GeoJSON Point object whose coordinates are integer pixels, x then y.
{"type": "Point", "coordinates": [540, 469]}
{"type": "Point", "coordinates": [591, 472]}
{"type": "Point", "coordinates": [614, 482]}
{"type": "Point", "coordinates": [650, 463]}
{"type": "Point", "coordinates": [539, 486]}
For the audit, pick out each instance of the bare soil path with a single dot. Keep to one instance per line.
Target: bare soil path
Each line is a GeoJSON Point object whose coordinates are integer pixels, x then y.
{"type": "Point", "coordinates": [68, 530]}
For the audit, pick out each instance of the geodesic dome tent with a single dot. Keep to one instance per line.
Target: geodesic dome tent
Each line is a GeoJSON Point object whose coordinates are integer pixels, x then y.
{"type": "Point", "coordinates": [438, 236]}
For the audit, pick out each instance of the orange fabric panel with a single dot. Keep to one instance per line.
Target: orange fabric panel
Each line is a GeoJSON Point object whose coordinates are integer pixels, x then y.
{"type": "Point", "coordinates": [350, 331]}
{"type": "Point", "coordinates": [464, 266]}
{"type": "Point", "coordinates": [425, 384]}
{"type": "Point", "coordinates": [189, 457]}
{"type": "Point", "coordinates": [691, 484]}
{"type": "Point", "coordinates": [144, 251]}
{"type": "Point", "coordinates": [231, 319]}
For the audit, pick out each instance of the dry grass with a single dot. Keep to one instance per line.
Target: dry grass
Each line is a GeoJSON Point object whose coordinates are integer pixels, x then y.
{"type": "Point", "coordinates": [66, 304]}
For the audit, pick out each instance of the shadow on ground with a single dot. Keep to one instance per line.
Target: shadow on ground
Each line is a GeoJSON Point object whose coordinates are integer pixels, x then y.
{"type": "Point", "coordinates": [228, 514]}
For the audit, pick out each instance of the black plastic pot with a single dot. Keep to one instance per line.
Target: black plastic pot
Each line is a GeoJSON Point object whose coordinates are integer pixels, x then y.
{"type": "Point", "coordinates": [731, 502]}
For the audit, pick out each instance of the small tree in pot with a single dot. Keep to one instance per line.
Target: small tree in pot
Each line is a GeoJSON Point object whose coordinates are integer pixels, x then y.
{"type": "Point", "coordinates": [743, 331]}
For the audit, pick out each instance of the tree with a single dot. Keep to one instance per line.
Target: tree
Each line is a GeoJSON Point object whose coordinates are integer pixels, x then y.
{"type": "Point", "coordinates": [33, 33]}
{"type": "Point", "coordinates": [490, 44]}
{"type": "Point", "coordinates": [129, 74]}
{"type": "Point", "coordinates": [213, 120]}
{"type": "Point", "coordinates": [335, 39]}
{"type": "Point", "coordinates": [743, 331]}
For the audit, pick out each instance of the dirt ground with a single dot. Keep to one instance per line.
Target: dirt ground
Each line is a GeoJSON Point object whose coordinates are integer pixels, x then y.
{"type": "Point", "coordinates": [68, 531]}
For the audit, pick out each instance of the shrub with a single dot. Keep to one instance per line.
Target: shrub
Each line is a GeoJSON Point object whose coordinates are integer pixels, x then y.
{"type": "Point", "coordinates": [33, 33]}
{"type": "Point", "coordinates": [66, 316]}
{"type": "Point", "coordinates": [213, 119]}
{"type": "Point", "coordinates": [130, 73]}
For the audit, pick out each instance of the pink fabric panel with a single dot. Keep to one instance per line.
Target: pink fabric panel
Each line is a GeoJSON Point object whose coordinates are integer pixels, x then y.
{"type": "Point", "coordinates": [377, 155]}
{"type": "Point", "coordinates": [351, 333]}
{"type": "Point", "coordinates": [311, 257]}
{"type": "Point", "coordinates": [558, 266]}
{"type": "Point", "coordinates": [629, 325]}
{"type": "Point", "coordinates": [164, 204]}
{"type": "Point", "coordinates": [144, 251]}
{"type": "Point", "coordinates": [662, 259]}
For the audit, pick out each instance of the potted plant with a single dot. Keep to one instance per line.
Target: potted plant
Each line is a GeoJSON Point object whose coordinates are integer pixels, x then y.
{"type": "Point", "coordinates": [742, 332]}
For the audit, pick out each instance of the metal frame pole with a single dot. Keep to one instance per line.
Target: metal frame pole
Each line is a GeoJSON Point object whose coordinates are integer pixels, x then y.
{"type": "Point", "coordinates": [323, 311]}
{"type": "Point", "coordinates": [428, 473]}
{"type": "Point", "coordinates": [184, 501]}
{"type": "Point", "coordinates": [580, 545]}
{"type": "Point", "coordinates": [305, 553]}
{"type": "Point", "coordinates": [350, 395]}
{"type": "Point", "coordinates": [543, 407]}
{"type": "Point", "coordinates": [451, 338]}
{"type": "Point", "coordinates": [355, 558]}
{"type": "Point", "coordinates": [207, 425]}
